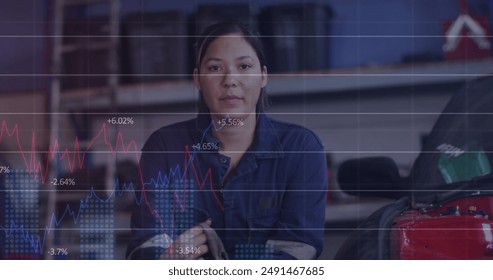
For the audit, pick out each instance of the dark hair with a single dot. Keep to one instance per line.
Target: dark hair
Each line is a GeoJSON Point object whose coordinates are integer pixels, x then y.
{"type": "Point", "coordinates": [222, 28]}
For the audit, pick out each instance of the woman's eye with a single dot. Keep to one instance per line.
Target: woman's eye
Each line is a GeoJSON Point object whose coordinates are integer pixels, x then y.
{"type": "Point", "coordinates": [245, 66]}
{"type": "Point", "coordinates": [214, 68]}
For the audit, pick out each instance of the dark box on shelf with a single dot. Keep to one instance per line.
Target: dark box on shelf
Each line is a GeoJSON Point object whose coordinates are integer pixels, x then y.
{"type": "Point", "coordinates": [296, 36]}
{"type": "Point", "coordinates": [85, 68]}
{"type": "Point", "coordinates": [155, 47]}
{"type": "Point", "coordinates": [209, 14]}
{"type": "Point", "coordinates": [86, 55]}
{"type": "Point", "coordinates": [86, 30]}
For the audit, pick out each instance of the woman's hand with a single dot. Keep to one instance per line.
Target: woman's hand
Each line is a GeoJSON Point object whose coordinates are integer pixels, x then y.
{"type": "Point", "coordinates": [190, 245]}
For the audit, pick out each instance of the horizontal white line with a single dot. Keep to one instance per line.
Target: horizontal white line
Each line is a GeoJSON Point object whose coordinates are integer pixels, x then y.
{"type": "Point", "coordinates": [193, 114]}
{"type": "Point", "coordinates": [63, 190]}
{"type": "Point", "coordinates": [242, 152]}
{"type": "Point", "coordinates": [413, 229]}
{"type": "Point", "coordinates": [261, 36]}
{"type": "Point", "coordinates": [246, 229]}
{"type": "Point", "coordinates": [465, 66]}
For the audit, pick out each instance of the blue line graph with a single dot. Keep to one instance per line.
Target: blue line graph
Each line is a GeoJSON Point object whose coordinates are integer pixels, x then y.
{"type": "Point", "coordinates": [37, 241]}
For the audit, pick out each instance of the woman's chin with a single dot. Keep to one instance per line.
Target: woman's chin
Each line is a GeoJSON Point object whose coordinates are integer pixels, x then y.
{"type": "Point", "coordinates": [232, 114]}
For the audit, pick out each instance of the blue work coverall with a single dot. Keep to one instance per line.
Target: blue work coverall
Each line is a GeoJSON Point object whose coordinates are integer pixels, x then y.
{"type": "Point", "coordinates": [272, 206]}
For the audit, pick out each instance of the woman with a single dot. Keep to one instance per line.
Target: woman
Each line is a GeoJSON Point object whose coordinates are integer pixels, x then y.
{"type": "Point", "coordinates": [260, 184]}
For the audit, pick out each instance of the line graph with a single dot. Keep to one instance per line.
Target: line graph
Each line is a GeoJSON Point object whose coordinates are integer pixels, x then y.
{"type": "Point", "coordinates": [75, 159]}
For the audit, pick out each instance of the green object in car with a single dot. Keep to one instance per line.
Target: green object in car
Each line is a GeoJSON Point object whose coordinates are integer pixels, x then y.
{"type": "Point", "coordinates": [458, 165]}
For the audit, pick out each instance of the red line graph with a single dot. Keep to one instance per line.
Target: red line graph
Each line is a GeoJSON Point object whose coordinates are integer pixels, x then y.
{"type": "Point", "coordinates": [35, 166]}
{"type": "Point", "coordinates": [75, 158]}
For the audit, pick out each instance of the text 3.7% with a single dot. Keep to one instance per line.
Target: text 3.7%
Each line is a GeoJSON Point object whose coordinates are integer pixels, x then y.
{"type": "Point", "coordinates": [58, 252]}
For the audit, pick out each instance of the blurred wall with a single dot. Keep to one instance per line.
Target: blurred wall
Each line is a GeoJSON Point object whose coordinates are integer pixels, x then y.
{"type": "Point", "coordinates": [22, 26]}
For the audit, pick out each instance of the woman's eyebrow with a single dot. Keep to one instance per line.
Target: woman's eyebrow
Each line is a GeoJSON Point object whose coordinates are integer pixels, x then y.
{"type": "Point", "coordinates": [216, 59]}
{"type": "Point", "coordinates": [212, 59]}
{"type": "Point", "coordinates": [244, 57]}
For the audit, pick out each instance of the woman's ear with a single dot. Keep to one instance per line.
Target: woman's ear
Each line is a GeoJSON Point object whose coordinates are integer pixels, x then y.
{"type": "Point", "coordinates": [196, 78]}
{"type": "Point", "coordinates": [264, 76]}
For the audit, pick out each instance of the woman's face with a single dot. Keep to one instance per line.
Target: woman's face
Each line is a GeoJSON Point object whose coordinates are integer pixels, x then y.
{"type": "Point", "coordinates": [230, 77]}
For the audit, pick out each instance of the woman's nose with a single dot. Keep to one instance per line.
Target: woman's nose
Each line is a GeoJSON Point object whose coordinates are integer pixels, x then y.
{"type": "Point", "coordinates": [230, 79]}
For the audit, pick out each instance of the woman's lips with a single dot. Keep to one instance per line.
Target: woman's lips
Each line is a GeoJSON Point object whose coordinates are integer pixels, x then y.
{"type": "Point", "coordinates": [231, 99]}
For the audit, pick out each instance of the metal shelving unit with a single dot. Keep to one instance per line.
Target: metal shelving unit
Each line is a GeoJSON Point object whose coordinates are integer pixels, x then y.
{"type": "Point", "coordinates": [56, 101]}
